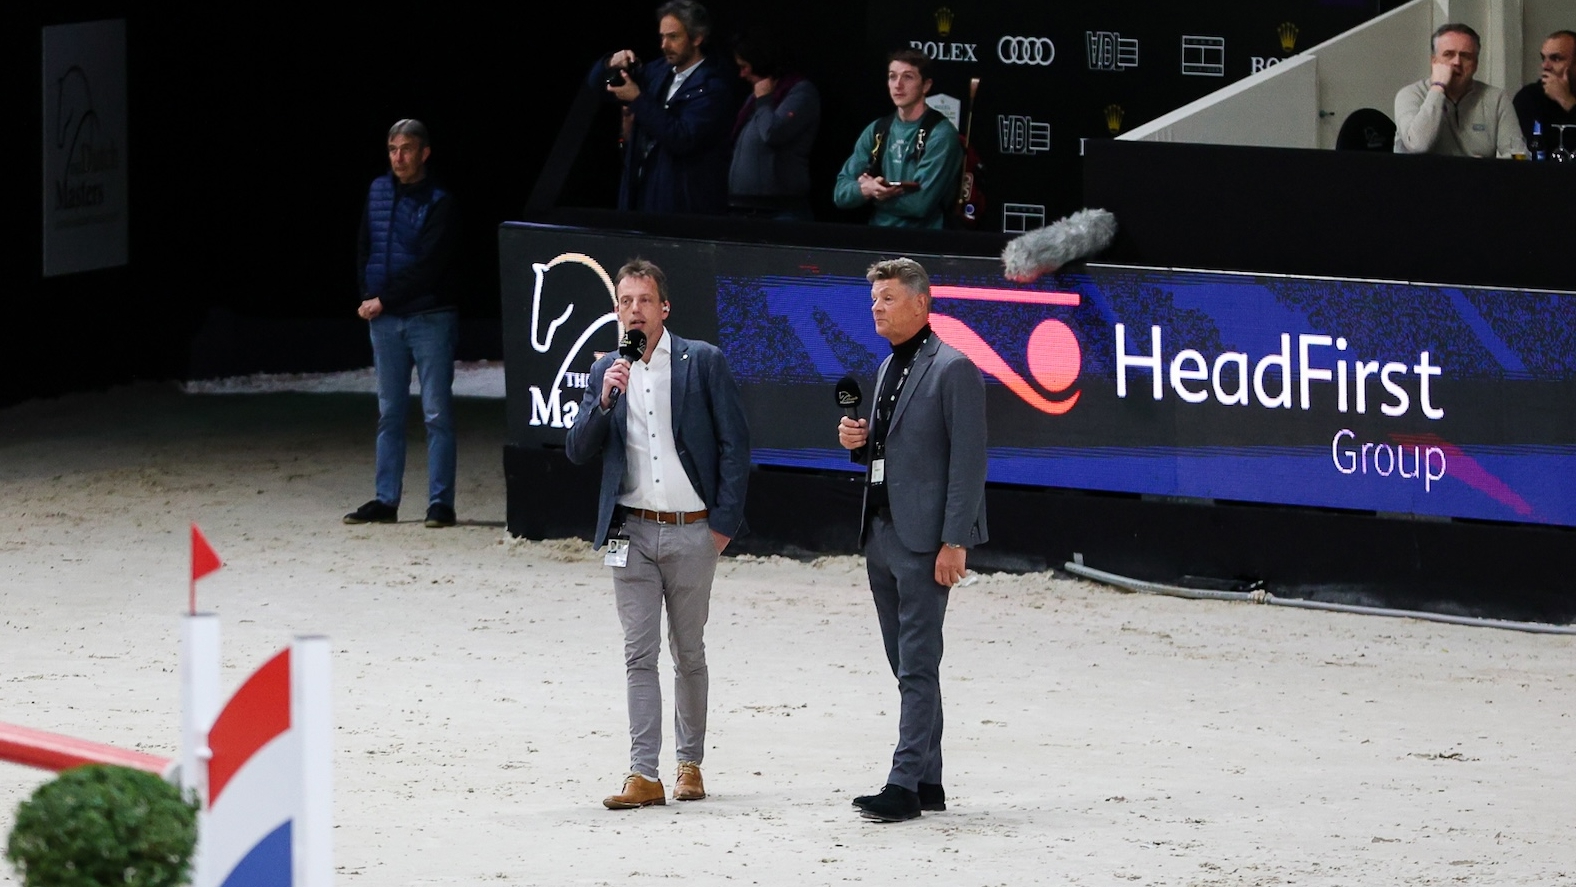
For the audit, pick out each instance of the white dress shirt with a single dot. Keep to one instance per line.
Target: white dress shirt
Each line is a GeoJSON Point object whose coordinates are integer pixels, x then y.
{"type": "Point", "coordinates": [678, 80]}
{"type": "Point", "coordinates": [654, 477]}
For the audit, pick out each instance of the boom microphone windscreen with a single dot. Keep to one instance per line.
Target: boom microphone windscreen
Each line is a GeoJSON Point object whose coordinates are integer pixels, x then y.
{"type": "Point", "coordinates": [1044, 250]}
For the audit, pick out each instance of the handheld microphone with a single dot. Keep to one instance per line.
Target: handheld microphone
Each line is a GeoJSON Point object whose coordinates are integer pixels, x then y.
{"type": "Point", "coordinates": [849, 397]}
{"type": "Point", "coordinates": [631, 347]}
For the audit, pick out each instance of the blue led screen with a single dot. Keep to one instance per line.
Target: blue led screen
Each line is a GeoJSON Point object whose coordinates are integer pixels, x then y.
{"type": "Point", "coordinates": [1378, 397]}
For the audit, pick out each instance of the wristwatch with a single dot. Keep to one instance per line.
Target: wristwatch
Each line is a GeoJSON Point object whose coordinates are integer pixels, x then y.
{"type": "Point", "coordinates": [953, 545]}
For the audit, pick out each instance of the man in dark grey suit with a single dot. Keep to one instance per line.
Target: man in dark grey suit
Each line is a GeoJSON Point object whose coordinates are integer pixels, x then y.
{"type": "Point", "coordinates": [675, 462]}
{"type": "Point", "coordinates": [924, 508]}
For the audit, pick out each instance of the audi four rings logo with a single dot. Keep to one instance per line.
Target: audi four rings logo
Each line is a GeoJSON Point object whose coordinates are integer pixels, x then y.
{"type": "Point", "coordinates": [1026, 50]}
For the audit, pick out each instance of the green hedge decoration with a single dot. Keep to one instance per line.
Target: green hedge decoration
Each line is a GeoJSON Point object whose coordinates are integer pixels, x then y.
{"type": "Point", "coordinates": [102, 826]}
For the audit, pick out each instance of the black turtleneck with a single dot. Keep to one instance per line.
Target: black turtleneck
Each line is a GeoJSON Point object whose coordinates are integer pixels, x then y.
{"type": "Point", "coordinates": [886, 403]}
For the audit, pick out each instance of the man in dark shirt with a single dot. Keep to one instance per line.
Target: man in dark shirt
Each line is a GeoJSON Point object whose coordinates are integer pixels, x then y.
{"type": "Point", "coordinates": [405, 259]}
{"type": "Point", "coordinates": [1551, 99]}
{"type": "Point", "coordinates": [924, 452]}
{"type": "Point", "coordinates": [679, 110]}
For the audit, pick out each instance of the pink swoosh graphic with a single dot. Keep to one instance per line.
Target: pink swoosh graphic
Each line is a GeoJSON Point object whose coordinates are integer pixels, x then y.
{"type": "Point", "coordinates": [1470, 473]}
{"type": "Point", "coordinates": [959, 336]}
{"type": "Point", "coordinates": [988, 294]}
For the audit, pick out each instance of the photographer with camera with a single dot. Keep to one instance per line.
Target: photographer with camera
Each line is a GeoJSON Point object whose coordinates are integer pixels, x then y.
{"type": "Point", "coordinates": [678, 115]}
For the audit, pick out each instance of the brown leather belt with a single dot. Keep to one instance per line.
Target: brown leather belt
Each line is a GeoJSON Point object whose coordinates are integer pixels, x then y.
{"type": "Point", "coordinates": [677, 518]}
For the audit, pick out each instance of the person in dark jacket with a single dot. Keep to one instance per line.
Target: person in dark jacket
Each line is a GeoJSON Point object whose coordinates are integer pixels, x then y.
{"type": "Point", "coordinates": [679, 112]}
{"type": "Point", "coordinates": [1551, 99]}
{"type": "Point", "coordinates": [406, 258]}
{"type": "Point", "coordinates": [772, 134]}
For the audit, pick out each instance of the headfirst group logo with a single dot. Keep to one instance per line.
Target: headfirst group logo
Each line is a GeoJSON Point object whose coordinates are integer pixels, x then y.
{"type": "Point", "coordinates": [1113, 119]}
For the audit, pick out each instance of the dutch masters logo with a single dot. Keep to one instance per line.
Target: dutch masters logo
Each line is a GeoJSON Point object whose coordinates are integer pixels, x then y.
{"type": "Point", "coordinates": [86, 155]}
{"type": "Point", "coordinates": [548, 408]}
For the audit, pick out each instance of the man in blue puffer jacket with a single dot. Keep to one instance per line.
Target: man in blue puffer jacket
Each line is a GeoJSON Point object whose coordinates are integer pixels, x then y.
{"type": "Point", "coordinates": [406, 252]}
{"type": "Point", "coordinates": [678, 115]}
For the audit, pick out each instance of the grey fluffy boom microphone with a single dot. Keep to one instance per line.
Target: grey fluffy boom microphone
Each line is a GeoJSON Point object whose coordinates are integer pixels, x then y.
{"type": "Point", "coordinates": [849, 397]}
{"type": "Point", "coordinates": [631, 347]}
{"type": "Point", "coordinates": [1044, 250]}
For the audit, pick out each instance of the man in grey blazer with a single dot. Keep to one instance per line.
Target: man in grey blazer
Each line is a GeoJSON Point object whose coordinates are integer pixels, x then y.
{"type": "Point", "coordinates": [924, 508]}
{"type": "Point", "coordinates": [675, 462]}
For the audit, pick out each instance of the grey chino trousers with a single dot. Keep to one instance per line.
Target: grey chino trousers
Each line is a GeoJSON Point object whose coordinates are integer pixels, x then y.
{"type": "Point", "coordinates": [911, 608]}
{"type": "Point", "coordinates": [673, 566]}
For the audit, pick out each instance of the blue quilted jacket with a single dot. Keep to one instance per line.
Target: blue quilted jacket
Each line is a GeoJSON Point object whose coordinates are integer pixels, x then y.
{"type": "Point", "coordinates": [406, 246]}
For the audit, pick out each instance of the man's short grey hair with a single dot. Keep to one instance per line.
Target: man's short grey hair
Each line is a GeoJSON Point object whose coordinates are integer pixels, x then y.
{"type": "Point", "coordinates": [908, 273]}
{"type": "Point", "coordinates": [693, 16]}
{"type": "Point", "coordinates": [1454, 28]}
{"type": "Point", "coordinates": [413, 128]}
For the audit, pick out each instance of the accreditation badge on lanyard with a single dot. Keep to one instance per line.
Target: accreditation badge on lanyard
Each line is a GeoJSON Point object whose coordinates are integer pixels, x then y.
{"type": "Point", "coordinates": [884, 411]}
{"type": "Point", "coordinates": [617, 552]}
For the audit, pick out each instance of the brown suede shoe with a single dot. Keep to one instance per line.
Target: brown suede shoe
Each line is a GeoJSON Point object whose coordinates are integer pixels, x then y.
{"type": "Point", "coordinates": [689, 786]}
{"type": "Point", "coordinates": [638, 792]}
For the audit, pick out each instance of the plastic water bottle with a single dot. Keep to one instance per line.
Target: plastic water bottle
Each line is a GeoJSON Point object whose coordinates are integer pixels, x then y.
{"type": "Point", "coordinates": [1535, 144]}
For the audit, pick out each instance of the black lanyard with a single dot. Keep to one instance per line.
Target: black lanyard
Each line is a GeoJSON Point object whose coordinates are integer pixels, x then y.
{"type": "Point", "coordinates": [886, 409]}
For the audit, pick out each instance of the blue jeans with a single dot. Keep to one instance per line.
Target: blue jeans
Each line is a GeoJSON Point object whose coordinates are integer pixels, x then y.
{"type": "Point", "coordinates": [425, 341]}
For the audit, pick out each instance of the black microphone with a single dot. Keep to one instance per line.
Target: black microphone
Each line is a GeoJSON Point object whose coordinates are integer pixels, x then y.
{"type": "Point", "coordinates": [849, 397]}
{"type": "Point", "coordinates": [632, 348]}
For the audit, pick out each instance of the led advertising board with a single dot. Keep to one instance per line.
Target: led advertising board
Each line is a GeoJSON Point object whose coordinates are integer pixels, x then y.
{"type": "Point", "coordinates": [1382, 397]}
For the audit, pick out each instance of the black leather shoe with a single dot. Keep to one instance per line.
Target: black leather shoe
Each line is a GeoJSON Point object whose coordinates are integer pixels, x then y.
{"type": "Point", "coordinates": [439, 516]}
{"type": "Point", "coordinates": [373, 512]}
{"type": "Point", "coordinates": [894, 804]}
{"type": "Point", "coordinates": [932, 798]}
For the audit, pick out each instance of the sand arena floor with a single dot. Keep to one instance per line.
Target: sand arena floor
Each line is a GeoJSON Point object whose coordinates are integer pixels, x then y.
{"type": "Point", "coordinates": [1093, 737]}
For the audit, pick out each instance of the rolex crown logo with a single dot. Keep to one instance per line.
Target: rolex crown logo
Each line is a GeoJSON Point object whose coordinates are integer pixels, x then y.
{"type": "Point", "coordinates": [1288, 36]}
{"type": "Point", "coordinates": [1113, 118]}
{"type": "Point", "coordinates": [944, 21]}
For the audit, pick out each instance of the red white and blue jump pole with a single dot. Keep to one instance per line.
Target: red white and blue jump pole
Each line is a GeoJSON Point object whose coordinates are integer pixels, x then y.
{"type": "Point", "coordinates": [261, 765]}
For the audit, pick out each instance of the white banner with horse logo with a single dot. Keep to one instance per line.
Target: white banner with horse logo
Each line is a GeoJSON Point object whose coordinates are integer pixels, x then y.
{"type": "Point", "coordinates": [84, 149]}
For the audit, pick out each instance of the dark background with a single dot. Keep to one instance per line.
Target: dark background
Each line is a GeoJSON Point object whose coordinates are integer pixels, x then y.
{"type": "Point", "coordinates": [254, 132]}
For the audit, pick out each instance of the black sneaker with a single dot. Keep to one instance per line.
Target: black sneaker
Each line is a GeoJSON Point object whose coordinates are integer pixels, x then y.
{"type": "Point", "coordinates": [439, 515]}
{"type": "Point", "coordinates": [894, 804]}
{"type": "Point", "coordinates": [373, 512]}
